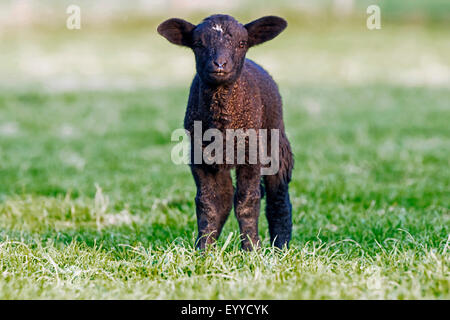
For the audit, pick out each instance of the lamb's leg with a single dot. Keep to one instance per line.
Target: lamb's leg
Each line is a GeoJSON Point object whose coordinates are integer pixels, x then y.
{"type": "Point", "coordinates": [278, 211]}
{"type": "Point", "coordinates": [278, 204]}
{"type": "Point", "coordinates": [247, 202]}
{"type": "Point", "coordinates": [213, 202]}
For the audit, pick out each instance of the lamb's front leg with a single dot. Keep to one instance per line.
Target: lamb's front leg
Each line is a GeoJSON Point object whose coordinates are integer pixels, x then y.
{"type": "Point", "coordinates": [213, 202]}
{"type": "Point", "coordinates": [247, 201]}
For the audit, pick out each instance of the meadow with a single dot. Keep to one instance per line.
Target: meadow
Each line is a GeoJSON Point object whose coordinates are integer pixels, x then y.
{"type": "Point", "coordinates": [91, 206]}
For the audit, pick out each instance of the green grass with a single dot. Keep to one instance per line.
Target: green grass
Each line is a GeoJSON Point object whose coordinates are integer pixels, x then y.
{"type": "Point", "coordinates": [91, 205]}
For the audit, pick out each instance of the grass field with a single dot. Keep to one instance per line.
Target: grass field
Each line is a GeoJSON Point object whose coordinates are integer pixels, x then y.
{"type": "Point", "coordinates": [91, 207]}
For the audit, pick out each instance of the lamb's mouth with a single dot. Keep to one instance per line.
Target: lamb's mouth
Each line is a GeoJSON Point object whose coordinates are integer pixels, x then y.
{"type": "Point", "coordinates": [219, 73]}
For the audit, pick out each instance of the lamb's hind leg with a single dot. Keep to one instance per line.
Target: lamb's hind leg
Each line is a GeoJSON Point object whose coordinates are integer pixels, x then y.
{"type": "Point", "coordinates": [214, 201]}
{"type": "Point", "coordinates": [278, 204]}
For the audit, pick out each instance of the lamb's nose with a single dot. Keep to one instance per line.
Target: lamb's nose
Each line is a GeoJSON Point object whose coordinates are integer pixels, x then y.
{"type": "Point", "coordinates": [220, 64]}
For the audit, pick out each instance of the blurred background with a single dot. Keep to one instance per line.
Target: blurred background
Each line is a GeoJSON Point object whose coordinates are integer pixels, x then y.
{"type": "Point", "coordinates": [327, 42]}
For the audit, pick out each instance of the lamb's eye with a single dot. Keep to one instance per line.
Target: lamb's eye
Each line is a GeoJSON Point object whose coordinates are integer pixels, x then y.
{"type": "Point", "coordinates": [242, 44]}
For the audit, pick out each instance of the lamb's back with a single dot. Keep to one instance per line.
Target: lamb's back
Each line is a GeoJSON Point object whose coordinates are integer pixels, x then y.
{"type": "Point", "coordinates": [268, 91]}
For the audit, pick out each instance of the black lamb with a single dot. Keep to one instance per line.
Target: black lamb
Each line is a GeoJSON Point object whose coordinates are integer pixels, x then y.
{"type": "Point", "coordinates": [232, 92]}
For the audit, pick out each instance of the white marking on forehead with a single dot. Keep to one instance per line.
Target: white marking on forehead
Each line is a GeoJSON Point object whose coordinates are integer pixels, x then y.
{"type": "Point", "coordinates": [217, 28]}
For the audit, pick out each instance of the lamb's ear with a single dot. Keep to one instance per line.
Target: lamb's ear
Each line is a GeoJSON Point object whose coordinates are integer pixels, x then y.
{"type": "Point", "coordinates": [264, 29]}
{"type": "Point", "coordinates": [177, 31]}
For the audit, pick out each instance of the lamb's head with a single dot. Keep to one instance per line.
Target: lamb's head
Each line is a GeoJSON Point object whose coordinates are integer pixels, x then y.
{"type": "Point", "coordinates": [220, 43]}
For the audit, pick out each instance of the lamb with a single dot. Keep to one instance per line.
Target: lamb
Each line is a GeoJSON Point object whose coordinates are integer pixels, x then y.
{"type": "Point", "coordinates": [232, 92]}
